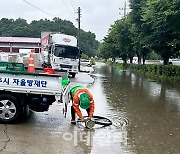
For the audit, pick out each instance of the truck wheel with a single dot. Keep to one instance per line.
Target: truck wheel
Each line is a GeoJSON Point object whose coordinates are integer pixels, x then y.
{"type": "Point", "coordinates": [10, 109]}
{"type": "Point", "coordinates": [27, 111]}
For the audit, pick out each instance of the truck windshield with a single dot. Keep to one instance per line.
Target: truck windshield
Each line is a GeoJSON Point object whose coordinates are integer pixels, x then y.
{"type": "Point", "coordinates": [66, 52]}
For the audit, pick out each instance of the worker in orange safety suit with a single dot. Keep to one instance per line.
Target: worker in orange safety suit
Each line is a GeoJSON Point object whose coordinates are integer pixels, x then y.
{"type": "Point", "coordinates": [81, 97]}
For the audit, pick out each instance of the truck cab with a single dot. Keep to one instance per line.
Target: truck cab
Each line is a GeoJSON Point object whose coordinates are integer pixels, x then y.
{"type": "Point", "coordinates": [65, 58]}
{"type": "Point", "coordinates": [61, 52]}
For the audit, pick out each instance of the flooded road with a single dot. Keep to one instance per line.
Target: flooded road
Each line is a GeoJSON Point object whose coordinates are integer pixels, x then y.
{"type": "Point", "coordinates": [152, 109]}
{"type": "Point", "coordinates": [145, 116]}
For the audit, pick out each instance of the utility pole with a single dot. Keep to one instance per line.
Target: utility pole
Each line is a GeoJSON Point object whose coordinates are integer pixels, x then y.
{"type": "Point", "coordinates": [79, 27]}
{"type": "Point", "coordinates": [124, 9]}
{"type": "Point", "coordinates": [78, 39]}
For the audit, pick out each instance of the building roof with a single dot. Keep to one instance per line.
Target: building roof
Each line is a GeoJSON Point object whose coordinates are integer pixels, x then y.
{"type": "Point", "coordinates": [19, 40]}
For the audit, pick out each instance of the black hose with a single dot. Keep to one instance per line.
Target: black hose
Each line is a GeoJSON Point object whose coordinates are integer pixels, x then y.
{"type": "Point", "coordinates": [97, 120]}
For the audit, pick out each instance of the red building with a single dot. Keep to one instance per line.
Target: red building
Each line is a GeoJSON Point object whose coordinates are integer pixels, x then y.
{"type": "Point", "coordinates": [13, 44]}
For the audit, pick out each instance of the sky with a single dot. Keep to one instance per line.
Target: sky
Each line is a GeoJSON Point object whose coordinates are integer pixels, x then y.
{"type": "Point", "coordinates": [96, 15]}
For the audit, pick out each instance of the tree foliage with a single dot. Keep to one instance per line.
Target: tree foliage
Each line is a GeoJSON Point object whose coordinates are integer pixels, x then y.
{"type": "Point", "coordinates": [20, 28]}
{"type": "Point", "coordinates": [118, 43]}
{"type": "Point", "coordinates": [151, 26]}
{"type": "Point", "coordinates": [161, 18]}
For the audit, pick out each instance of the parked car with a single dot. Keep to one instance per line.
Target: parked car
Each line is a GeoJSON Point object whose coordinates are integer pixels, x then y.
{"type": "Point", "coordinates": [85, 62]}
{"type": "Point", "coordinates": [174, 61]}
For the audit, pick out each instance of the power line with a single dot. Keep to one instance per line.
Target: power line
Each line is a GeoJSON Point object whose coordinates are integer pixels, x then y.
{"type": "Point", "coordinates": [76, 2]}
{"type": "Point", "coordinates": [68, 9]}
{"type": "Point", "coordinates": [74, 19]}
{"type": "Point", "coordinates": [72, 4]}
{"type": "Point", "coordinates": [38, 8]}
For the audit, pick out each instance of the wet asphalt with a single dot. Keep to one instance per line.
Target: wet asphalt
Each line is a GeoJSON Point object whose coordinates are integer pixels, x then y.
{"type": "Point", "coordinates": [145, 116]}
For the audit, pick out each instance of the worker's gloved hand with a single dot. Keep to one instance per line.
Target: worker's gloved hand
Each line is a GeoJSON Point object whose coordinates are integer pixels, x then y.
{"type": "Point", "coordinates": [82, 119]}
{"type": "Point", "coordinates": [89, 118]}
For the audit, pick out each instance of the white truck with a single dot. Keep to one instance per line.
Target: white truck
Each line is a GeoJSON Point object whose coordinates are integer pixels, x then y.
{"type": "Point", "coordinates": [60, 52]}
{"type": "Point", "coordinates": [21, 91]}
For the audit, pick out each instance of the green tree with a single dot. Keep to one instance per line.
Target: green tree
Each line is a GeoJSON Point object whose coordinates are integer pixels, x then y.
{"type": "Point", "coordinates": [137, 33]}
{"type": "Point", "coordinates": [104, 50]}
{"type": "Point", "coordinates": [88, 44]}
{"type": "Point", "coordinates": [118, 43]}
{"type": "Point", "coordinates": [124, 39]}
{"type": "Point", "coordinates": [20, 28]}
{"type": "Point", "coordinates": [5, 26]}
{"type": "Point", "coordinates": [161, 18]}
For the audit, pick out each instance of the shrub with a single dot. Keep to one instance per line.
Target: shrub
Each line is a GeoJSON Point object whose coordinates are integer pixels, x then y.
{"type": "Point", "coordinates": [163, 72]}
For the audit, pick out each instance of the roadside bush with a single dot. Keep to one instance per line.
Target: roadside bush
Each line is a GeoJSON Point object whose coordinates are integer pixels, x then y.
{"type": "Point", "coordinates": [163, 72]}
{"type": "Point", "coordinates": [92, 60]}
{"type": "Point", "coordinates": [84, 56]}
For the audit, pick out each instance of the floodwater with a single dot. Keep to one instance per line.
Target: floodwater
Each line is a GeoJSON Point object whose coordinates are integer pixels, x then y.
{"type": "Point", "coordinates": [150, 112]}
{"type": "Point", "coordinates": [145, 116]}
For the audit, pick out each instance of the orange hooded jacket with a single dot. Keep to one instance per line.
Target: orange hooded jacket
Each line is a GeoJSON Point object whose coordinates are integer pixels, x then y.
{"type": "Point", "coordinates": [76, 102]}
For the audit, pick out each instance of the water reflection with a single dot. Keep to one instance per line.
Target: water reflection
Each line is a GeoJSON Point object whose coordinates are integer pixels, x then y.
{"type": "Point", "coordinates": [152, 109]}
{"type": "Point", "coordinates": [111, 139]}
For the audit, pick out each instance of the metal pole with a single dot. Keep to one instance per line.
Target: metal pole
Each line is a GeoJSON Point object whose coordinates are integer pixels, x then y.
{"type": "Point", "coordinates": [78, 39]}
{"type": "Point", "coordinates": [125, 9]}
